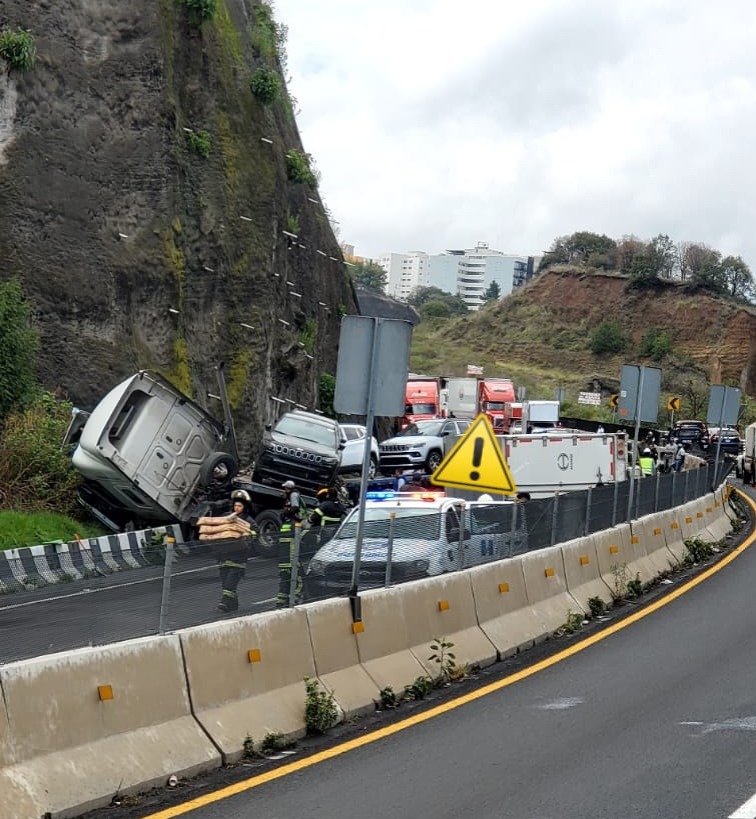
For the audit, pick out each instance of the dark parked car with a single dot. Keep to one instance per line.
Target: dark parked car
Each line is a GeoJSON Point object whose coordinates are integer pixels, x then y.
{"type": "Point", "coordinates": [727, 438]}
{"type": "Point", "coordinates": [692, 434]}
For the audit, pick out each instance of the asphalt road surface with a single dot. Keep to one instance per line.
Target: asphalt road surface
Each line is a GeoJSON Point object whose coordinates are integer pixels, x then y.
{"type": "Point", "coordinates": [125, 605]}
{"type": "Point", "coordinates": [655, 717]}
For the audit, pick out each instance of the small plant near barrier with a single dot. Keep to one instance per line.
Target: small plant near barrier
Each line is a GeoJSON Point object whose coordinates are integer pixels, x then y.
{"type": "Point", "coordinates": [33, 581]}
{"type": "Point", "coordinates": [419, 689]}
{"type": "Point", "coordinates": [199, 142]}
{"type": "Point", "coordinates": [635, 587]}
{"type": "Point", "coordinates": [248, 748]}
{"type": "Point", "coordinates": [17, 49]}
{"type": "Point", "coordinates": [274, 743]}
{"type": "Point", "coordinates": [698, 549]}
{"type": "Point", "coordinates": [596, 606]}
{"type": "Point", "coordinates": [619, 581]}
{"type": "Point", "coordinates": [573, 623]}
{"type": "Point", "coordinates": [444, 659]}
{"type": "Point", "coordinates": [388, 699]}
{"type": "Point", "coordinates": [321, 713]}
{"type": "Point", "coordinates": [265, 85]}
{"type": "Point", "coordinates": [199, 10]}
{"type": "Point", "coordinates": [298, 168]}
{"type": "Point", "coordinates": [153, 548]}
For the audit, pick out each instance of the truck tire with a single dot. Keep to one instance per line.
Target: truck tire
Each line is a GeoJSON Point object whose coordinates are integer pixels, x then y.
{"type": "Point", "coordinates": [219, 467]}
{"type": "Point", "coordinates": [432, 461]}
{"type": "Point", "coordinates": [268, 526]}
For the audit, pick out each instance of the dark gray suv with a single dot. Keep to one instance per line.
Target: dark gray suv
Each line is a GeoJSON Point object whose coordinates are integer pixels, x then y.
{"type": "Point", "coordinates": [303, 447]}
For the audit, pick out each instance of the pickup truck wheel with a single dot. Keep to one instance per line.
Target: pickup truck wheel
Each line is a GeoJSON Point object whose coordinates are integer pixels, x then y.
{"type": "Point", "coordinates": [432, 461]}
{"type": "Point", "coordinates": [219, 467]}
{"type": "Point", "coordinates": [268, 526]}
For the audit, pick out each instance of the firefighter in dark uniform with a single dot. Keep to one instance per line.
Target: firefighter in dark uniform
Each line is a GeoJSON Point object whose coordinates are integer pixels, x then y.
{"type": "Point", "coordinates": [291, 515]}
{"type": "Point", "coordinates": [327, 515]}
{"type": "Point", "coordinates": [233, 560]}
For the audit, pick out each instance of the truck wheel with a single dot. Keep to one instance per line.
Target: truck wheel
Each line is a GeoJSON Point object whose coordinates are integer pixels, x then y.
{"type": "Point", "coordinates": [432, 461]}
{"type": "Point", "coordinates": [218, 467]}
{"type": "Point", "coordinates": [268, 526]}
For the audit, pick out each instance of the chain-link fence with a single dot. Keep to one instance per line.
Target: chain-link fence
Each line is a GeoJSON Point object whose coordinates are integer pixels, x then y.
{"type": "Point", "coordinates": [73, 597]}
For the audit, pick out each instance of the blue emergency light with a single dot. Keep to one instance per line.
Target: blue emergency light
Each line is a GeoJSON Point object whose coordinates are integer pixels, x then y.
{"type": "Point", "coordinates": [380, 496]}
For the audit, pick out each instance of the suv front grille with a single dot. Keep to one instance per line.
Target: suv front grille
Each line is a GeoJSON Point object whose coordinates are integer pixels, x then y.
{"type": "Point", "coordinates": [297, 453]}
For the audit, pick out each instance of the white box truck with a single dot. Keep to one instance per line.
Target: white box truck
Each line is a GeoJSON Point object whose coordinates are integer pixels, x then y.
{"type": "Point", "coordinates": [548, 463]}
{"type": "Point", "coordinates": [539, 415]}
{"type": "Point", "coordinates": [459, 398]}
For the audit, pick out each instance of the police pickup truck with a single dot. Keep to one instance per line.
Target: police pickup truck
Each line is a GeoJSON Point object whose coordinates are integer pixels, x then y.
{"type": "Point", "coordinates": [413, 535]}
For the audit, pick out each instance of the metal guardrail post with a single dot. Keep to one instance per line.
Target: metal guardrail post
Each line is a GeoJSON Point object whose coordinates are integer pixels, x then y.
{"type": "Point", "coordinates": [513, 531]}
{"type": "Point", "coordinates": [587, 522]}
{"type": "Point", "coordinates": [165, 597]}
{"type": "Point", "coordinates": [295, 578]}
{"type": "Point", "coordinates": [554, 511]}
{"type": "Point", "coordinates": [460, 507]}
{"type": "Point", "coordinates": [389, 549]}
{"type": "Point", "coordinates": [615, 501]}
{"type": "Point", "coordinates": [656, 494]}
{"type": "Point", "coordinates": [685, 488]}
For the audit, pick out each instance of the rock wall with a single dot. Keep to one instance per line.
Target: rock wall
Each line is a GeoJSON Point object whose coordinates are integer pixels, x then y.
{"type": "Point", "coordinates": [134, 249]}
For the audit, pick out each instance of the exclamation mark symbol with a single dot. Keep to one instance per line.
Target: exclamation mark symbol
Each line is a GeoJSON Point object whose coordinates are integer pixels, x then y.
{"type": "Point", "coordinates": [477, 455]}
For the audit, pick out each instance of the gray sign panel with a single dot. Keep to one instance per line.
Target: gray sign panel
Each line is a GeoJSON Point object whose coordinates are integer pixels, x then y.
{"type": "Point", "coordinates": [724, 406]}
{"type": "Point", "coordinates": [639, 393]}
{"type": "Point", "coordinates": [377, 350]}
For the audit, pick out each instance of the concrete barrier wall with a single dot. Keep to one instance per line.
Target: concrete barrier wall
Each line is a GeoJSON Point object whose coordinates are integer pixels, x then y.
{"type": "Point", "coordinates": [247, 677]}
{"type": "Point", "coordinates": [641, 566]}
{"type": "Point", "coordinates": [444, 607]}
{"type": "Point", "coordinates": [384, 644]}
{"type": "Point", "coordinates": [337, 659]}
{"type": "Point", "coordinates": [673, 534]}
{"type": "Point", "coordinates": [504, 611]}
{"type": "Point", "coordinates": [582, 572]}
{"type": "Point", "coordinates": [717, 521]}
{"type": "Point", "coordinates": [70, 740]}
{"type": "Point", "coordinates": [614, 555]}
{"type": "Point", "coordinates": [546, 588]}
{"type": "Point", "coordinates": [651, 538]}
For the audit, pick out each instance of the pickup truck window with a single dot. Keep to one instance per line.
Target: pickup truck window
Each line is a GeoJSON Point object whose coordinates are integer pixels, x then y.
{"type": "Point", "coordinates": [408, 523]}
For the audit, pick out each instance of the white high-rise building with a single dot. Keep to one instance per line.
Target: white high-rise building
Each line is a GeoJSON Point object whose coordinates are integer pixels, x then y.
{"type": "Point", "coordinates": [405, 272]}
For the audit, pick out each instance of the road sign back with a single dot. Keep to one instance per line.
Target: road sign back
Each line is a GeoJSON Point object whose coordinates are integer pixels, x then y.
{"type": "Point", "coordinates": [476, 462]}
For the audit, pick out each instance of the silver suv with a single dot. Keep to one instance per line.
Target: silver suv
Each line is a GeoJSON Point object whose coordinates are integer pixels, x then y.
{"type": "Point", "coordinates": [422, 444]}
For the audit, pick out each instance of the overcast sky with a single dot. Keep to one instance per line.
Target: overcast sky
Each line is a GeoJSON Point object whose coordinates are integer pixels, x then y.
{"type": "Point", "coordinates": [436, 124]}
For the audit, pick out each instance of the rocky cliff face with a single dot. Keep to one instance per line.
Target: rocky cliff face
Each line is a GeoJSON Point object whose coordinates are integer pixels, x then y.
{"type": "Point", "coordinates": [135, 249]}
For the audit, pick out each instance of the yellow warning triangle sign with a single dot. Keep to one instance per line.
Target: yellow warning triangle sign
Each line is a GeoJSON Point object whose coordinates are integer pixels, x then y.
{"type": "Point", "coordinates": [476, 462]}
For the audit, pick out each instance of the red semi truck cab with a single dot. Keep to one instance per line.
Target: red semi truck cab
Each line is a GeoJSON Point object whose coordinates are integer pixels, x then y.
{"type": "Point", "coordinates": [422, 401]}
{"type": "Point", "coordinates": [493, 393]}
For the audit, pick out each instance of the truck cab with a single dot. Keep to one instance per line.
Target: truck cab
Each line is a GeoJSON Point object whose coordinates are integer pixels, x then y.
{"type": "Point", "coordinates": [493, 394]}
{"type": "Point", "coordinates": [422, 401]}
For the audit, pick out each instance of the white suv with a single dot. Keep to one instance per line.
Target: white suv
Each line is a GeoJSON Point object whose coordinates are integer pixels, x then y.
{"type": "Point", "coordinates": [353, 439]}
{"type": "Point", "coordinates": [422, 445]}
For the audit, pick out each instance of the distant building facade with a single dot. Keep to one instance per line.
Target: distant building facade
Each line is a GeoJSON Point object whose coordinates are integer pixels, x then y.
{"type": "Point", "coordinates": [467, 272]}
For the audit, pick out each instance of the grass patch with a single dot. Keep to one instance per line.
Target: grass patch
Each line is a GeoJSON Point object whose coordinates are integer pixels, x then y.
{"type": "Point", "coordinates": [31, 529]}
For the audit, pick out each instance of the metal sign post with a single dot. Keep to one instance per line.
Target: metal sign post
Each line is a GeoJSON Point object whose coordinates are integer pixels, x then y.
{"type": "Point", "coordinates": [371, 376]}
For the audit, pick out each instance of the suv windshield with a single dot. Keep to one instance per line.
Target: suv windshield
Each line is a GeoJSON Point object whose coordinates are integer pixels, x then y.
{"type": "Point", "coordinates": [429, 428]}
{"type": "Point", "coordinates": [307, 430]}
{"type": "Point", "coordinates": [417, 523]}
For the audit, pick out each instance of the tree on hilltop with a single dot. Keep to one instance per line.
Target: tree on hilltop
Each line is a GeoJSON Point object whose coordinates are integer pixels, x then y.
{"type": "Point", "coordinates": [369, 275]}
{"type": "Point", "coordinates": [583, 249]}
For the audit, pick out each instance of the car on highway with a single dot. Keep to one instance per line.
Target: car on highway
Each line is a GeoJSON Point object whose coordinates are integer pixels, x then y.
{"type": "Point", "coordinates": [726, 438]}
{"type": "Point", "coordinates": [430, 534]}
{"type": "Point", "coordinates": [692, 434]}
{"type": "Point", "coordinates": [421, 445]}
{"type": "Point", "coordinates": [353, 441]}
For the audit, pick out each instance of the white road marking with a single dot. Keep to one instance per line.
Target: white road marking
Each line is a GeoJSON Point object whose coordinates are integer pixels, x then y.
{"type": "Point", "coordinates": [746, 811]}
{"type": "Point", "coordinates": [560, 704]}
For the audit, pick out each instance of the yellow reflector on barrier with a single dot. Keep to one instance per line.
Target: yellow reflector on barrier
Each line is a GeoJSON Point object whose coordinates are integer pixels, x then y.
{"type": "Point", "coordinates": [657, 531]}
{"type": "Point", "coordinates": [548, 572]}
{"type": "Point", "coordinates": [584, 561]}
{"type": "Point", "coordinates": [634, 539]}
{"type": "Point", "coordinates": [674, 525]}
{"type": "Point", "coordinates": [688, 520]}
{"type": "Point", "coordinates": [358, 627]}
{"type": "Point", "coordinates": [105, 692]}
{"type": "Point", "coordinates": [254, 655]}
{"type": "Point", "coordinates": [443, 605]}
{"type": "Point", "coordinates": [613, 550]}
{"type": "Point", "coordinates": [503, 587]}
{"type": "Point", "coordinates": [699, 514]}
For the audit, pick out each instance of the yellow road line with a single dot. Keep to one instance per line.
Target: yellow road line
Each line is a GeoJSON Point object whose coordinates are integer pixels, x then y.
{"type": "Point", "coordinates": [381, 733]}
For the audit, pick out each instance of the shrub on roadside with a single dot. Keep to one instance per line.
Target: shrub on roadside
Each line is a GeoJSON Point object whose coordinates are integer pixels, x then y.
{"type": "Point", "coordinates": [35, 473]}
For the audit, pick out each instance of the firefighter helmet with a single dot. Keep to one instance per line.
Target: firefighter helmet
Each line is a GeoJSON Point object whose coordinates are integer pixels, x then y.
{"type": "Point", "coordinates": [241, 495]}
